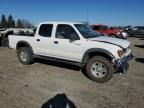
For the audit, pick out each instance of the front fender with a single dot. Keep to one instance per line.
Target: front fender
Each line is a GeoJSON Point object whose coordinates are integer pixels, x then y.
{"type": "Point", "coordinates": [96, 51]}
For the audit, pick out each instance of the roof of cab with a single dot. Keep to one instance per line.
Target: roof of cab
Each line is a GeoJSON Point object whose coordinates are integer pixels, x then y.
{"type": "Point", "coordinates": [60, 22]}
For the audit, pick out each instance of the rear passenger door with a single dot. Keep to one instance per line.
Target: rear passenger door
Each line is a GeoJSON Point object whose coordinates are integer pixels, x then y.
{"type": "Point", "coordinates": [43, 40]}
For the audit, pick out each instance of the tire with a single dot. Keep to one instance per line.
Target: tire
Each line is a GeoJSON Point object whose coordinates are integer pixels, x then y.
{"type": "Point", "coordinates": [25, 55]}
{"type": "Point", "coordinates": [5, 42]}
{"type": "Point", "coordinates": [99, 69]}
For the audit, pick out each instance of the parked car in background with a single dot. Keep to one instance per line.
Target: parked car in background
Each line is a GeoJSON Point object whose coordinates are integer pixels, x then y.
{"type": "Point", "coordinates": [135, 31]}
{"type": "Point", "coordinates": [1, 33]}
{"type": "Point", "coordinates": [2, 29]}
{"type": "Point", "coordinates": [77, 44]}
{"type": "Point", "coordinates": [5, 32]}
{"type": "Point", "coordinates": [112, 32]}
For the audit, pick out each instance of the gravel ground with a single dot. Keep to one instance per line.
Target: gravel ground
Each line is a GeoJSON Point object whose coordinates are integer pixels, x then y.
{"type": "Point", "coordinates": [33, 86]}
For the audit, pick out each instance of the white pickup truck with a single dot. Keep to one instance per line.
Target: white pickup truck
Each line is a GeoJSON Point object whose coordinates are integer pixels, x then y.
{"type": "Point", "coordinates": [74, 43]}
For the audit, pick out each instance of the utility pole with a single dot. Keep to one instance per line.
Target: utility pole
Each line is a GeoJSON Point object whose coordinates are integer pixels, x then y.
{"type": "Point", "coordinates": [87, 16]}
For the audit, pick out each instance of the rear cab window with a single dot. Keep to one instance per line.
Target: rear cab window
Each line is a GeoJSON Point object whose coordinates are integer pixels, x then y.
{"type": "Point", "coordinates": [45, 30]}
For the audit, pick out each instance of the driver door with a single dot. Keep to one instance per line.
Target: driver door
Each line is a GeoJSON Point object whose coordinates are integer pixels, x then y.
{"type": "Point", "coordinates": [67, 43]}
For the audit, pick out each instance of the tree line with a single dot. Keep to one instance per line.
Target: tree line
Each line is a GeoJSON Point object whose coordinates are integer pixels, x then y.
{"type": "Point", "coordinates": [10, 22]}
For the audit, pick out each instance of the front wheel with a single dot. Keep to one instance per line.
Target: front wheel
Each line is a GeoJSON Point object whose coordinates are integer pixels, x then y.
{"type": "Point", "coordinates": [99, 69]}
{"type": "Point", "coordinates": [25, 55]}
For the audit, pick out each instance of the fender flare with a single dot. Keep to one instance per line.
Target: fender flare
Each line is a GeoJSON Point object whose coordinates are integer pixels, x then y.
{"type": "Point", "coordinates": [25, 44]}
{"type": "Point", "coordinates": [95, 50]}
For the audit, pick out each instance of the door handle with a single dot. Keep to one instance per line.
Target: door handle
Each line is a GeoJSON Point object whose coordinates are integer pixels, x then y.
{"type": "Point", "coordinates": [55, 42]}
{"type": "Point", "coordinates": [37, 39]}
{"type": "Point", "coordinates": [77, 43]}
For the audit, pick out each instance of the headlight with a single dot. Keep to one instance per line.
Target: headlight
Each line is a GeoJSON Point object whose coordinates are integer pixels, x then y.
{"type": "Point", "coordinates": [120, 53]}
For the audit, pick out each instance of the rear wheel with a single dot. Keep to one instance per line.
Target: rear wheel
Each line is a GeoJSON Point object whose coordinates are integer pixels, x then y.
{"type": "Point", "coordinates": [99, 69]}
{"type": "Point", "coordinates": [25, 55]}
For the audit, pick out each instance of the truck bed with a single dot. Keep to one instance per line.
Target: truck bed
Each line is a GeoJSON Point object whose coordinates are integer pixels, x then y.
{"type": "Point", "coordinates": [14, 39]}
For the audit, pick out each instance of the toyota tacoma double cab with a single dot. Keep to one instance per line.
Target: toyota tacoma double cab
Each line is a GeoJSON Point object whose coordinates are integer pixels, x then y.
{"type": "Point", "coordinates": [77, 44]}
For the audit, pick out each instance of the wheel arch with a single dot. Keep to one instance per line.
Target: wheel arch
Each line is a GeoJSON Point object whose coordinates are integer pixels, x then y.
{"type": "Point", "coordinates": [24, 44]}
{"type": "Point", "coordinates": [97, 52]}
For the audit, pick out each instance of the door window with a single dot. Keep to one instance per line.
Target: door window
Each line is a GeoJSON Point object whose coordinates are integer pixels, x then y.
{"type": "Point", "coordinates": [66, 32]}
{"type": "Point", "coordinates": [46, 30]}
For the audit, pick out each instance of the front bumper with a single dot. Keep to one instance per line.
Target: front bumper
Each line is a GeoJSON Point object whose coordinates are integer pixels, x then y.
{"type": "Point", "coordinates": [122, 65]}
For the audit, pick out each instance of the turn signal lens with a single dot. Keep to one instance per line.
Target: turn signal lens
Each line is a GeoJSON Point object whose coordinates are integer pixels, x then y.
{"type": "Point", "coordinates": [120, 53]}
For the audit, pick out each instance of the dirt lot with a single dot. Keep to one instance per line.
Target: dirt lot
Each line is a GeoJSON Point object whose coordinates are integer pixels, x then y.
{"type": "Point", "coordinates": [32, 86]}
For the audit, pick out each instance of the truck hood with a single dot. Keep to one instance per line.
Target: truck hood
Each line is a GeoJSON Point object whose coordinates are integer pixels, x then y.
{"type": "Point", "coordinates": [119, 42]}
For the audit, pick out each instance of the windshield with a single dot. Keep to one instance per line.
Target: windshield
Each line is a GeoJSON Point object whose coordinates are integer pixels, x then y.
{"type": "Point", "coordinates": [86, 32]}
